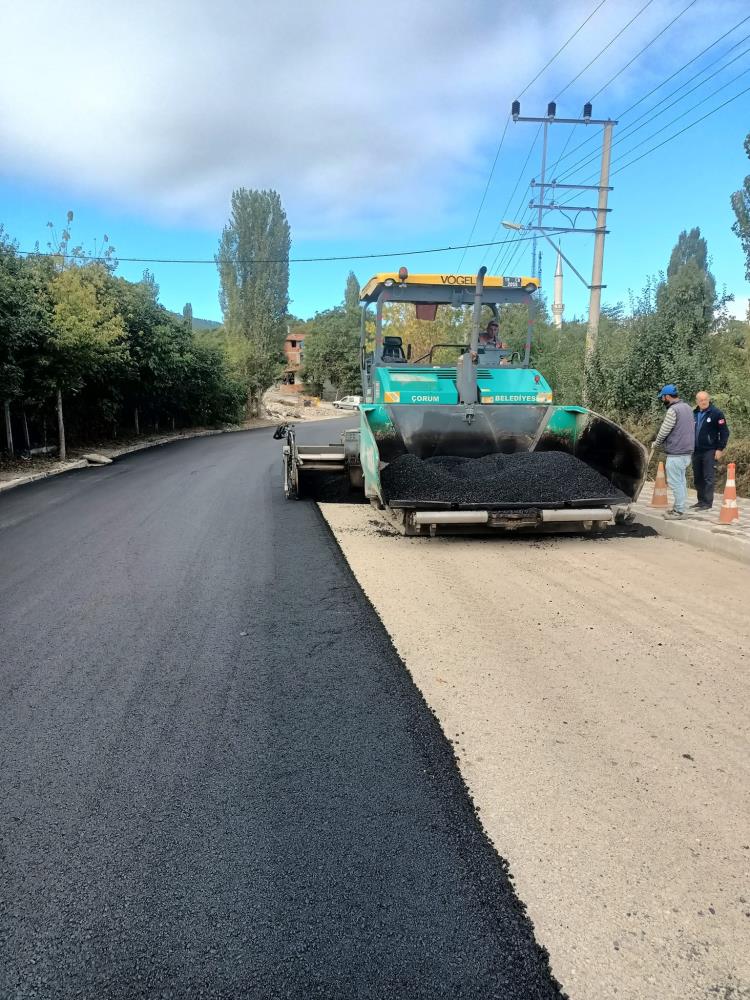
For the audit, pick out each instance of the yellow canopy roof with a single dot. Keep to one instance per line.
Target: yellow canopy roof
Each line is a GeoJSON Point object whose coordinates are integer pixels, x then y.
{"type": "Point", "coordinates": [444, 281]}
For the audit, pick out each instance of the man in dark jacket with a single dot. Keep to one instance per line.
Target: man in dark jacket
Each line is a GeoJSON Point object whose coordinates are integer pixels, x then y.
{"type": "Point", "coordinates": [677, 436]}
{"type": "Point", "coordinates": [711, 436]}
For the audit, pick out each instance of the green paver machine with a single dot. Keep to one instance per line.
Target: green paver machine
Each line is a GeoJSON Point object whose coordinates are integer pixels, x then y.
{"type": "Point", "coordinates": [488, 400]}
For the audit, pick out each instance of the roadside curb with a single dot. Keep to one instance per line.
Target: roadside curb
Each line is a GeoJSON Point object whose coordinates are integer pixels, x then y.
{"type": "Point", "coordinates": [25, 480]}
{"type": "Point", "coordinates": [717, 538]}
{"type": "Point", "coordinates": [120, 452]}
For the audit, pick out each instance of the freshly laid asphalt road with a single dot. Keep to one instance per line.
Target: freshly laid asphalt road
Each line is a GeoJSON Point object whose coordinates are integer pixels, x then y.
{"type": "Point", "coordinates": [217, 778]}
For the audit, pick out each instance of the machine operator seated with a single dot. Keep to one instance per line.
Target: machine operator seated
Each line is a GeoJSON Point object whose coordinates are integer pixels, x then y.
{"type": "Point", "coordinates": [492, 351]}
{"type": "Point", "coordinates": [491, 336]}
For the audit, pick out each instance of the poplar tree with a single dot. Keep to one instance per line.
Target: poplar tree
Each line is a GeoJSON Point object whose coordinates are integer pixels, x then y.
{"type": "Point", "coordinates": [351, 294]}
{"type": "Point", "coordinates": [741, 207]}
{"type": "Point", "coordinates": [671, 325]}
{"type": "Point", "coordinates": [253, 263]}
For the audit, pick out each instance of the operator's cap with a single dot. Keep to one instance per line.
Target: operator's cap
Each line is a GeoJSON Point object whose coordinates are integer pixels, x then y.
{"type": "Point", "coordinates": [669, 390]}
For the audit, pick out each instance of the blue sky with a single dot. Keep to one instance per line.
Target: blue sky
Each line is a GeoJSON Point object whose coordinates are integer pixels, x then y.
{"type": "Point", "coordinates": [377, 124]}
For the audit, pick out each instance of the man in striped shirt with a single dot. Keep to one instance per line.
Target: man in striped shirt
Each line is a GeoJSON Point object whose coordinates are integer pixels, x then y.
{"type": "Point", "coordinates": [677, 437]}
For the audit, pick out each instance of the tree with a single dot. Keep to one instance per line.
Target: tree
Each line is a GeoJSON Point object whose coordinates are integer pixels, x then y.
{"type": "Point", "coordinates": [187, 315]}
{"type": "Point", "coordinates": [71, 331]}
{"type": "Point", "coordinates": [731, 350]}
{"type": "Point", "coordinates": [63, 254]}
{"type": "Point", "coordinates": [87, 330]}
{"type": "Point", "coordinates": [11, 329]}
{"type": "Point", "coordinates": [332, 351]}
{"type": "Point", "coordinates": [741, 207]}
{"type": "Point", "coordinates": [253, 263]}
{"type": "Point", "coordinates": [670, 326]}
{"type": "Point", "coordinates": [155, 342]}
{"type": "Point", "coordinates": [149, 283]}
{"type": "Point", "coordinates": [689, 246]}
{"type": "Point", "coordinates": [25, 332]}
{"type": "Point", "coordinates": [351, 294]}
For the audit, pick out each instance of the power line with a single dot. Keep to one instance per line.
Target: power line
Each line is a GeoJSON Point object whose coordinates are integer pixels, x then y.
{"type": "Point", "coordinates": [569, 84]}
{"type": "Point", "coordinates": [677, 72]}
{"type": "Point", "coordinates": [673, 121]}
{"type": "Point", "coordinates": [630, 130]}
{"type": "Point", "coordinates": [280, 260]}
{"type": "Point", "coordinates": [675, 135]}
{"type": "Point", "coordinates": [597, 56]}
{"type": "Point", "coordinates": [601, 53]}
{"type": "Point", "coordinates": [515, 186]}
{"type": "Point", "coordinates": [500, 266]}
{"type": "Point", "coordinates": [640, 53]}
{"type": "Point", "coordinates": [682, 130]}
{"type": "Point", "coordinates": [619, 73]}
{"type": "Point", "coordinates": [504, 266]}
{"type": "Point", "coordinates": [503, 254]}
{"type": "Point", "coordinates": [563, 46]}
{"type": "Point", "coordinates": [553, 171]}
{"type": "Point", "coordinates": [506, 253]}
{"type": "Point", "coordinates": [512, 259]}
{"type": "Point", "coordinates": [486, 189]}
{"type": "Point", "coordinates": [507, 123]}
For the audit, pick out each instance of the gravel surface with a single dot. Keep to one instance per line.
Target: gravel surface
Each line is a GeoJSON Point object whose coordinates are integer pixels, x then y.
{"type": "Point", "coordinates": [522, 478]}
{"type": "Point", "coordinates": [218, 779]}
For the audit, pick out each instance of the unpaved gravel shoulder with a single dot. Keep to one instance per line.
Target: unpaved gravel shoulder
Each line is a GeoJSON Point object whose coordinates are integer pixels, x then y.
{"type": "Point", "coordinates": [597, 695]}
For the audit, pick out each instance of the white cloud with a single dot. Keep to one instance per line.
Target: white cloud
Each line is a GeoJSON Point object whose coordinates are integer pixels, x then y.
{"type": "Point", "coordinates": [357, 112]}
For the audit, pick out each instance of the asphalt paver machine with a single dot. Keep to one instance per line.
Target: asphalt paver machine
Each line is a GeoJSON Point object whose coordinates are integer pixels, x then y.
{"type": "Point", "coordinates": [487, 400]}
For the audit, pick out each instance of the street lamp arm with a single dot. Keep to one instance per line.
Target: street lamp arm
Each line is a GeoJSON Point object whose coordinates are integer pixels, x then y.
{"type": "Point", "coordinates": [572, 266]}
{"type": "Point", "coordinates": [519, 227]}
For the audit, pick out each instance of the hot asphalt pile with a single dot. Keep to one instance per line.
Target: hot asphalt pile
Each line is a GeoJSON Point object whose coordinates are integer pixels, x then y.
{"type": "Point", "coordinates": [524, 478]}
{"type": "Point", "coordinates": [220, 781]}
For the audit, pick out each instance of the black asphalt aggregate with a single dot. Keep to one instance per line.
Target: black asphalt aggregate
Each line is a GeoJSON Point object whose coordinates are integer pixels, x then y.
{"type": "Point", "coordinates": [523, 478]}
{"type": "Point", "coordinates": [217, 778]}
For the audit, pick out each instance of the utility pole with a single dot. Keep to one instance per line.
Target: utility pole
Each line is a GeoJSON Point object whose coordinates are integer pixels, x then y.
{"type": "Point", "coordinates": [595, 298]}
{"type": "Point", "coordinates": [601, 212]}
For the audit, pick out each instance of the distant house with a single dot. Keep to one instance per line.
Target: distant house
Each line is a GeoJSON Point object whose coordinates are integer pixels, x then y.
{"type": "Point", "coordinates": [294, 352]}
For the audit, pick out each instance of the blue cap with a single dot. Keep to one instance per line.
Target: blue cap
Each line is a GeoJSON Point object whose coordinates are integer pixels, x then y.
{"type": "Point", "coordinates": [669, 390]}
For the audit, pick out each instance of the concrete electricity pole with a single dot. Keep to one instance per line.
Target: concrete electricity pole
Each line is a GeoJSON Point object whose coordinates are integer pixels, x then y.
{"type": "Point", "coordinates": [595, 297]}
{"type": "Point", "coordinates": [601, 211]}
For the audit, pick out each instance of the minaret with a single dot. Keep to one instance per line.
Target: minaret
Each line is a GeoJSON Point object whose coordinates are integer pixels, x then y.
{"type": "Point", "coordinates": [557, 304]}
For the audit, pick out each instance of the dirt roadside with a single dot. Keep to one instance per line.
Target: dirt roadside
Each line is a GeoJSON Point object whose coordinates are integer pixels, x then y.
{"type": "Point", "coordinates": [597, 694]}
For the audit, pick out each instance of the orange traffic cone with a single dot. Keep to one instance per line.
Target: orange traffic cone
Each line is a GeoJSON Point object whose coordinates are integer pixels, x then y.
{"type": "Point", "coordinates": [729, 511]}
{"type": "Point", "coordinates": [659, 498]}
